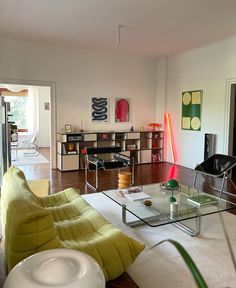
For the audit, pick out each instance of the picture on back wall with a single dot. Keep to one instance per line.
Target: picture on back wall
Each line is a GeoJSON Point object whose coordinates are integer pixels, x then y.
{"type": "Point", "coordinates": [100, 109]}
{"type": "Point", "coordinates": [122, 110]}
{"type": "Point", "coordinates": [191, 110]}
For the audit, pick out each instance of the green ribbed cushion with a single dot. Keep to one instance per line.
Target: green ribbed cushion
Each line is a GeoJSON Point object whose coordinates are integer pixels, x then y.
{"type": "Point", "coordinates": [27, 227]}
{"type": "Point", "coordinates": [64, 219]}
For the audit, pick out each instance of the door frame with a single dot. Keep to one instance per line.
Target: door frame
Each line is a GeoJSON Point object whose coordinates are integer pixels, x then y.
{"type": "Point", "coordinates": [228, 128]}
{"type": "Point", "coordinates": [53, 109]}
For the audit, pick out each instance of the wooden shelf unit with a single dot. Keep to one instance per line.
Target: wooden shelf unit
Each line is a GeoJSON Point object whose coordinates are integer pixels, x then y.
{"type": "Point", "coordinates": [144, 147]}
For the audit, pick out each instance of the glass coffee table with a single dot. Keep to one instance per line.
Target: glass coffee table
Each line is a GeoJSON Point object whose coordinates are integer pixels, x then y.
{"type": "Point", "coordinates": [162, 212]}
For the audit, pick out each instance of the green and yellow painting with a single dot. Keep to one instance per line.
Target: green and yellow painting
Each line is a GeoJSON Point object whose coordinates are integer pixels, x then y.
{"type": "Point", "coordinates": [191, 110]}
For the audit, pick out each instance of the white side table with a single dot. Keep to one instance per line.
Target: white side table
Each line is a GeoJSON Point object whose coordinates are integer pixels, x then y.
{"type": "Point", "coordinates": [63, 268]}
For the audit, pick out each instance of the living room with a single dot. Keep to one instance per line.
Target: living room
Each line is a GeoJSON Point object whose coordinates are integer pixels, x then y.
{"type": "Point", "coordinates": [151, 74]}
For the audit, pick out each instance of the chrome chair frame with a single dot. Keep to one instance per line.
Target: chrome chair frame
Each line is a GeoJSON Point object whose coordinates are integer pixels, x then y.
{"type": "Point", "coordinates": [32, 146]}
{"type": "Point", "coordinates": [218, 166]}
{"type": "Point", "coordinates": [94, 163]}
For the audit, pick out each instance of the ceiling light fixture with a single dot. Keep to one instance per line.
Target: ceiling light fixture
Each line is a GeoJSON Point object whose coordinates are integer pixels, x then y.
{"type": "Point", "coordinates": [14, 88]}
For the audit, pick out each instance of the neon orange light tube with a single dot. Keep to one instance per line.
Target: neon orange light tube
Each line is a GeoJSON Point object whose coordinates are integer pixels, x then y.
{"type": "Point", "coordinates": [170, 136]}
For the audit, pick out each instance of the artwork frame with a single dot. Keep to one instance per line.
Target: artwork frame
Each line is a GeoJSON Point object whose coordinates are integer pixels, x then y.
{"type": "Point", "coordinates": [68, 128]}
{"type": "Point", "coordinates": [100, 109]}
{"type": "Point", "coordinates": [122, 110]}
{"type": "Point", "coordinates": [46, 106]}
{"type": "Point", "coordinates": [191, 110]}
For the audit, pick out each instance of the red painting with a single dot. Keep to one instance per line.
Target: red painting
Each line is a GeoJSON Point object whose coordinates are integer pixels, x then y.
{"type": "Point", "coordinates": [122, 111]}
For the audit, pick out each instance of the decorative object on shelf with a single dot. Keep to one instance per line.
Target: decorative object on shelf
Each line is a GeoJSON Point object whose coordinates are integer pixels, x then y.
{"type": "Point", "coordinates": [132, 129]}
{"type": "Point", "coordinates": [68, 128]}
{"type": "Point", "coordinates": [71, 148]}
{"type": "Point", "coordinates": [122, 110]}
{"type": "Point", "coordinates": [191, 110]}
{"type": "Point", "coordinates": [100, 109]}
{"type": "Point", "coordinates": [155, 126]}
{"type": "Point", "coordinates": [81, 126]}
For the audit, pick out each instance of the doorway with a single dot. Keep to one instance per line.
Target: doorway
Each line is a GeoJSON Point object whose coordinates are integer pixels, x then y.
{"type": "Point", "coordinates": [29, 123]}
{"type": "Point", "coordinates": [48, 107]}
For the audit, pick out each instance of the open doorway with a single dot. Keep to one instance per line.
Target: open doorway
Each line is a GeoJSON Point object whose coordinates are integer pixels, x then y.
{"type": "Point", "coordinates": [30, 123]}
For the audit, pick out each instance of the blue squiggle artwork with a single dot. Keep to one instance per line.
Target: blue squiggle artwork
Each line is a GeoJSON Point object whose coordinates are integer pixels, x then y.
{"type": "Point", "coordinates": [100, 109]}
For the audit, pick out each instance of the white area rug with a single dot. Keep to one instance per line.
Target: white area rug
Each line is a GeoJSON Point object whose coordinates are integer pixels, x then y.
{"type": "Point", "coordinates": [21, 158]}
{"type": "Point", "coordinates": [162, 267]}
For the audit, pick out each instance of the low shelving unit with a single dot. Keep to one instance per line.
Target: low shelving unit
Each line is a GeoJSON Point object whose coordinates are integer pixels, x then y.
{"type": "Point", "coordinates": [143, 146]}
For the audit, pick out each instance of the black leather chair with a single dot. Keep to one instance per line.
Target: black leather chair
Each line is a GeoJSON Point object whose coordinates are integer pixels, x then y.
{"type": "Point", "coordinates": [94, 161]}
{"type": "Point", "coordinates": [218, 165]}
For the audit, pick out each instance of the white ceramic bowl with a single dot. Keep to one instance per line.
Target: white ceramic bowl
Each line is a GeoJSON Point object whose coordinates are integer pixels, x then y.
{"type": "Point", "coordinates": [64, 268]}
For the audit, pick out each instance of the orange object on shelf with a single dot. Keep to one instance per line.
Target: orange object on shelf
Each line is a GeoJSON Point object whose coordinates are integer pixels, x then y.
{"type": "Point", "coordinates": [154, 126]}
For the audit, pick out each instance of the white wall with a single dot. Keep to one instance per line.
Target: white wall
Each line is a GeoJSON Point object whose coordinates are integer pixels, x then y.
{"type": "Point", "coordinates": [161, 89]}
{"type": "Point", "coordinates": [207, 69]}
{"type": "Point", "coordinates": [81, 74]}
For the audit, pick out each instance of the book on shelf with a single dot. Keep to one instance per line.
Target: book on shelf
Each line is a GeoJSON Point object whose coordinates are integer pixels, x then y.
{"type": "Point", "coordinates": [202, 200]}
{"type": "Point", "coordinates": [137, 196]}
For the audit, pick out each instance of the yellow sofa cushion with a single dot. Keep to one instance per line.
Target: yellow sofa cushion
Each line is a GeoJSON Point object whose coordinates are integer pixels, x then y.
{"type": "Point", "coordinates": [64, 219]}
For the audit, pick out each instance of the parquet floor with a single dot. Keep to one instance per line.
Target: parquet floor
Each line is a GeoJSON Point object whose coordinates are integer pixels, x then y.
{"type": "Point", "coordinates": [144, 174]}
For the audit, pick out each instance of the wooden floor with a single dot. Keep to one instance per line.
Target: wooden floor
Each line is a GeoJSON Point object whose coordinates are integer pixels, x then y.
{"type": "Point", "coordinates": [144, 174]}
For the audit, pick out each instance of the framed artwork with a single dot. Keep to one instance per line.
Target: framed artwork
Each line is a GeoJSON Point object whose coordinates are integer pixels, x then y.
{"type": "Point", "coordinates": [46, 106]}
{"type": "Point", "coordinates": [122, 110]}
{"type": "Point", "coordinates": [191, 110]}
{"type": "Point", "coordinates": [100, 109]}
{"type": "Point", "coordinates": [68, 128]}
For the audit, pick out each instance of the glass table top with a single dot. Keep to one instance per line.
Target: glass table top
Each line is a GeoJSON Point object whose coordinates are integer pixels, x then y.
{"type": "Point", "coordinates": [161, 212]}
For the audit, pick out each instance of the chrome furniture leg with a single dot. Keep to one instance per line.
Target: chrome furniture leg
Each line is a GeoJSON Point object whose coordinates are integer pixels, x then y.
{"type": "Point", "coordinates": [86, 176]}
{"type": "Point", "coordinates": [178, 225]}
{"type": "Point", "coordinates": [188, 230]}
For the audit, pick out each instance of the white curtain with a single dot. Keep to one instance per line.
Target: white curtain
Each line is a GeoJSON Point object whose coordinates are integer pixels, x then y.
{"type": "Point", "coordinates": [32, 111]}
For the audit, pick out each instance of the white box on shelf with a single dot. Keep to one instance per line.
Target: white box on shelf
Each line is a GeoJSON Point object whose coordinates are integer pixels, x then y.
{"type": "Point", "coordinates": [90, 137]}
{"type": "Point", "coordinates": [134, 135]}
{"type": "Point", "coordinates": [146, 156]}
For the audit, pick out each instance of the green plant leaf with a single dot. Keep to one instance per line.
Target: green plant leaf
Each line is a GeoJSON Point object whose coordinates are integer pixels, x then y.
{"type": "Point", "coordinates": [188, 261]}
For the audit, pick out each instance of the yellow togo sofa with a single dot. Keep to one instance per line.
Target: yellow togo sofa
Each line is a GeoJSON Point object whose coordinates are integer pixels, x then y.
{"type": "Point", "coordinates": [62, 220]}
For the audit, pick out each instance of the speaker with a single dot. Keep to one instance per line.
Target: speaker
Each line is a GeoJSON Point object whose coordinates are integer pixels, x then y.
{"type": "Point", "coordinates": [209, 145]}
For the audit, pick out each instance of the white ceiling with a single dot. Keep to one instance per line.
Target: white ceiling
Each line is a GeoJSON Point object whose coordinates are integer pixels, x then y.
{"type": "Point", "coordinates": [149, 27]}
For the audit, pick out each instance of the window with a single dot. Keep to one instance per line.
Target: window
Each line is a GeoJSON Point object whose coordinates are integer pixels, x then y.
{"type": "Point", "coordinates": [24, 109]}
{"type": "Point", "coordinates": [18, 111]}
